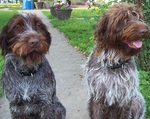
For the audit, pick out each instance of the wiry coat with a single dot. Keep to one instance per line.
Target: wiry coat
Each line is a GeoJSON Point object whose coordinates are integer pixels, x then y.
{"type": "Point", "coordinates": [110, 70]}
{"type": "Point", "coordinates": [113, 91]}
{"type": "Point", "coordinates": [28, 80]}
{"type": "Point", "coordinates": [32, 95]}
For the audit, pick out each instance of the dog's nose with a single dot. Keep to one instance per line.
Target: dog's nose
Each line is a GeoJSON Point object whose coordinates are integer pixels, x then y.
{"type": "Point", "coordinates": [33, 42]}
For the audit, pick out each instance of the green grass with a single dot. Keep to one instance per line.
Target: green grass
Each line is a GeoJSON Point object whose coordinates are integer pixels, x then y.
{"type": "Point", "coordinates": [82, 13]}
{"type": "Point", "coordinates": [79, 30]}
{"type": "Point", "coordinates": [6, 15]}
{"type": "Point", "coordinates": [77, 34]}
{"type": "Point", "coordinates": [11, 6]}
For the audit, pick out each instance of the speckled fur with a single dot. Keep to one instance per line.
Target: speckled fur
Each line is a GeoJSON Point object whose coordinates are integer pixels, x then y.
{"type": "Point", "coordinates": [112, 90]}
{"type": "Point", "coordinates": [110, 71]}
{"type": "Point", "coordinates": [28, 80]}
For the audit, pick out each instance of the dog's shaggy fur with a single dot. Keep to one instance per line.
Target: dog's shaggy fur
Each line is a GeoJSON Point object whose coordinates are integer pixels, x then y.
{"type": "Point", "coordinates": [28, 80]}
{"type": "Point", "coordinates": [110, 70]}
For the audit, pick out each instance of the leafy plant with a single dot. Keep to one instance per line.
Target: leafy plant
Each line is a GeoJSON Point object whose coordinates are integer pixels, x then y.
{"type": "Point", "coordinates": [143, 58]}
{"type": "Point", "coordinates": [145, 89]}
{"type": "Point", "coordinates": [146, 11]}
{"type": "Point", "coordinates": [63, 7]}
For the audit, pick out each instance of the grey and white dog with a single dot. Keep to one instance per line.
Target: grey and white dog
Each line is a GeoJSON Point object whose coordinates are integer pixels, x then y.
{"type": "Point", "coordinates": [28, 80]}
{"type": "Point", "coordinates": [110, 70]}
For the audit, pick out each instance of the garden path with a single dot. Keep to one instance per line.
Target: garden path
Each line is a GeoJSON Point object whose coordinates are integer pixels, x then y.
{"type": "Point", "coordinates": [66, 63]}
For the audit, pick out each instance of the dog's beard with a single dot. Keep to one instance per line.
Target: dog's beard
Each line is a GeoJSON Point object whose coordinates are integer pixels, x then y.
{"type": "Point", "coordinates": [30, 55]}
{"type": "Point", "coordinates": [33, 58]}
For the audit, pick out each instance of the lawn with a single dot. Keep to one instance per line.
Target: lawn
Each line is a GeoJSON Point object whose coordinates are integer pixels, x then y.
{"type": "Point", "coordinates": [5, 16]}
{"type": "Point", "coordinates": [79, 30]}
{"type": "Point", "coordinates": [11, 6]}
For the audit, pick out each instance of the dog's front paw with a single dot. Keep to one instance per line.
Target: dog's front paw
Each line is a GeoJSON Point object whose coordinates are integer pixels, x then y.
{"type": "Point", "coordinates": [60, 111]}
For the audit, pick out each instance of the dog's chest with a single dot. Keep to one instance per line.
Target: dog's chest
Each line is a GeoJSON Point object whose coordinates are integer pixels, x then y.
{"type": "Point", "coordinates": [35, 87]}
{"type": "Point", "coordinates": [114, 85]}
{"type": "Point", "coordinates": [28, 88]}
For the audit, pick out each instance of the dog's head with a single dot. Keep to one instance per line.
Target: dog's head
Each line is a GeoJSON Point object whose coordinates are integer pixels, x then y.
{"type": "Point", "coordinates": [25, 36]}
{"type": "Point", "coordinates": [122, 29]}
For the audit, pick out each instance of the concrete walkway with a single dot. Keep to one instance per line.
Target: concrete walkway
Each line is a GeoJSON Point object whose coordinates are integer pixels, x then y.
{"type": "Point", "coordinates": [66, 63]}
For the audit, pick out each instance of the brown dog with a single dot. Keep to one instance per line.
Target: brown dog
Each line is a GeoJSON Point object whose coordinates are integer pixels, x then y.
{"type": "Point", "coordinates": [28, 80]}
{"type": "Point", "coordinates": [111, 71]}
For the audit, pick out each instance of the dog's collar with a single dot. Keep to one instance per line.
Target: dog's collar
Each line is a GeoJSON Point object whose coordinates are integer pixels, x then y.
{"type": "Point", "coordinates": [118, 65]}
{"type": "Point", "coordinates": [30, 72]}
{"type": "Point", "coordinates": [114, 65]}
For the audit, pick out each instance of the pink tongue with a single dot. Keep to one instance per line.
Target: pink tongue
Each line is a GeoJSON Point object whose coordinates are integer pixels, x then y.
{"type": "Point", "coordinates": [137, 44]}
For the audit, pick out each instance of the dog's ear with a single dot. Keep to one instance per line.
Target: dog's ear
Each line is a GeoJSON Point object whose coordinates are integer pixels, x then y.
{"type": "Point", "coordinates": [48, 35]}
{"type": "Point", "coordinates": [100, 34]}
{"type": "Point", "coordinates": [3, 38]}
{"type": "Point", "coordinates": [102, 26]}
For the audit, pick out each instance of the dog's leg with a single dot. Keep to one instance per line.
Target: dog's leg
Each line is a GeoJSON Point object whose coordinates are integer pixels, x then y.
{"type": "Point", "coordinates": [19, 116]}
{"type": "Point", "coordinates": [138, 107]}
{"type": "Point", "coordinates": [99, 110]}
{"type": "Point", "coordinates": [60, 111]}
{"type": "Point", "coordinates": [94, 109]}
{"type": "Point", "coordinates": [20, 110]}
{"type": "Point", "coordinates": [48, 111]}
{"type": "Point", "coordinates": [123, 112]}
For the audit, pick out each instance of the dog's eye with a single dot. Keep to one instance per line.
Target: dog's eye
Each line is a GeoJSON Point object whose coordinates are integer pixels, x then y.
{"type": "Point", "coordinates": [135, 14]}
{"type": "Point", "coordinates": [17, 27]}
{"type": "Point", "coordinates": [38, 25]}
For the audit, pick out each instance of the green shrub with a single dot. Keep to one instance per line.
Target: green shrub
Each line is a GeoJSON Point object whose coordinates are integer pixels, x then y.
{"type": "Point", "coordinates": [63, 7]}
{"type": "Point", "coordinates": [143, 58]}
{"type": "Point", "coordinates": [145, 89]}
